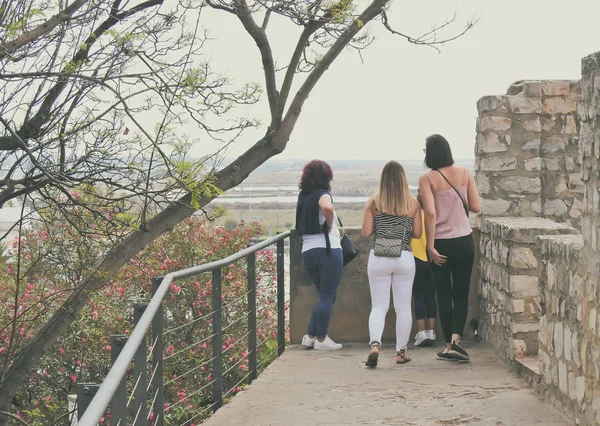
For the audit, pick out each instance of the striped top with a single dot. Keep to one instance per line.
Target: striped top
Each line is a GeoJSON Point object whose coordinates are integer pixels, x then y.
{"type": "Point", "coordinates": [392, 227]}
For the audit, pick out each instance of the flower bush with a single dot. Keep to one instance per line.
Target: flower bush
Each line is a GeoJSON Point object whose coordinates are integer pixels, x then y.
{"type": "Point", "coordinates": [53, 259]}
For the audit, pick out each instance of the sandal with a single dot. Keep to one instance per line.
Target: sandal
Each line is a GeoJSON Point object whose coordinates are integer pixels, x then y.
{"type": "Point", "coordinates": [402, 357]}
{"type": "Point", "coordinates": [373, 355]}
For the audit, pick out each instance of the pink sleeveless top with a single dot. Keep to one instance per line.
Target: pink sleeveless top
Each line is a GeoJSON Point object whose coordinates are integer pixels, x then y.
{"type": "Point", "coordinates": [451, 220]}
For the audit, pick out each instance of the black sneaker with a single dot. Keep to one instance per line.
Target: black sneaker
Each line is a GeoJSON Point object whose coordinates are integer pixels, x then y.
{"type": "Point", "coordinates": [459, 352]}
{"type": "Point", "coordinates": [446, 356]}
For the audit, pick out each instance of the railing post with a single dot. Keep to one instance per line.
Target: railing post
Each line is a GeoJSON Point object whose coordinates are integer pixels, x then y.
{"type": "Point", "coordinates": [118, 403]}
{"type": "Point", "coordinates": [251, 274]}
{"type": "Point", "coordinates": [140, 372]}
{"type": "Point", "coordinates": [158, 397]}
{"type": "Point", "coordinates": [280, 299]}
{"type": "Point", "coordinates": [217, 365]}
{"type": "Point", "coordinates": [85, 393]}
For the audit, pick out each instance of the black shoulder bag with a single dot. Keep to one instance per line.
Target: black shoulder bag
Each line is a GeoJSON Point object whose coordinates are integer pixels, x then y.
{"type": "Point", "coordinates": [457, 193]}
{"type": "Point", "coordinates": [349, 250]}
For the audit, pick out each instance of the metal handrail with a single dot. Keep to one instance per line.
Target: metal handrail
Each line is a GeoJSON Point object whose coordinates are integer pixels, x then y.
{"type": "Point", "coordinates": [102, 398]}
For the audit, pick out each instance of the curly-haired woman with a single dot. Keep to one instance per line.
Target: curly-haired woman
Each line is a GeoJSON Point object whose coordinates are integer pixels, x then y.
{"type": "Point", "coordinates": [321, 250]}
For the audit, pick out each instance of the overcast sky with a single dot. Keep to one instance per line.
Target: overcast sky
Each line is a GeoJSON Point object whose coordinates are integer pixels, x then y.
{"type": "Point", "coordinates": [385, 107]}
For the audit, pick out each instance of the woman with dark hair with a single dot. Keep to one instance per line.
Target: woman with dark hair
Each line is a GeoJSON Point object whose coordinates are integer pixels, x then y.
{"type": "Point", "coordinates": [392, 216]}
{"type": "Point", "coordinates": [449, 192]}
{"type": "Point", "coordinates": [321, 249]}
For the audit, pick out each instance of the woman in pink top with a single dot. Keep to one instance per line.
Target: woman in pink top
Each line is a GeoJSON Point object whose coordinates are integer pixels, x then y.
{"type": "Point", "coordinates": [449, 192]}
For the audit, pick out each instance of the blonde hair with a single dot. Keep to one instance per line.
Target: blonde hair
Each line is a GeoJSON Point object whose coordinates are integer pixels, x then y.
{"type": "Point", "coordinates": [393, 196]}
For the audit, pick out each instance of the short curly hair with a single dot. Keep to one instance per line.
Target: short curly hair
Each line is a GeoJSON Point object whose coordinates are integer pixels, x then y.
{"type": "Point", "coordinates": [316, 174]}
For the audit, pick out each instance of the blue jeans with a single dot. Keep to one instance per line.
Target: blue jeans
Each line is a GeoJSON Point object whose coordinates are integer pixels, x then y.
{"type": "Point", "coordinates": [325, 271]}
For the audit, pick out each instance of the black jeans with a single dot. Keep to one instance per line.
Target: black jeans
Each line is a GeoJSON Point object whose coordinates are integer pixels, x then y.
{"type": "Point", "coordinates": [452, 281]}
{"type": "Point", "coordinates": [424, 291]}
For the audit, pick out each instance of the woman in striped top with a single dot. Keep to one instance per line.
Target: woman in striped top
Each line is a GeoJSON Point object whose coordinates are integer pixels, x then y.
{"type": "Point", "coordinates": [391, 214]}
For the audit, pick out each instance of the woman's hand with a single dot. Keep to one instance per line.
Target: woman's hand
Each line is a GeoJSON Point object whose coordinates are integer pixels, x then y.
{"type": "Point", "coordinates": [435, 257]}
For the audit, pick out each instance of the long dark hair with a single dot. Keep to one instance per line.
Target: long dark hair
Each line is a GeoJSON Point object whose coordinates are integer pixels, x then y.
{"type": "Point", "coordinates": [316, 174]}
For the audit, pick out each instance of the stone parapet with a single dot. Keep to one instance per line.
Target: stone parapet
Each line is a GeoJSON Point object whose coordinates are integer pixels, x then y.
{"type": "Point", "coordinates": [511, 293]}
{"type": "Point", "coordinates": [527, 151]}
{"type": "Point", "coordinates": [350, 318]}
{"type": "Point", "coordinates": [569, 338]}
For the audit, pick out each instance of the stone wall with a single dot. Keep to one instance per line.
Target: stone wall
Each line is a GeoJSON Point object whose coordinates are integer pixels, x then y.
{"type": "Point", "coordinates": [536, 269]}
{"type": "Point", "coordinates": [526, 152]}
{"type": "Point", "coordinates": [511, 294]}
{"type": "Point", "coordinates": [569, 343]}
{"type": "Point", "coordinates": [569, 339]}
{"type": "Point", "coordinates": [350, 318]}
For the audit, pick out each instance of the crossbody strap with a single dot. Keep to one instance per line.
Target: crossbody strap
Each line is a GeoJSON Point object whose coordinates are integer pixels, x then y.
{"type": "Point", "coordinates": [455, 190]}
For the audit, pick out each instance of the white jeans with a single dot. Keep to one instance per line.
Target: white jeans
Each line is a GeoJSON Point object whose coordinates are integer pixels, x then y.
{"type": "Point", "coordinates": [397, 273]}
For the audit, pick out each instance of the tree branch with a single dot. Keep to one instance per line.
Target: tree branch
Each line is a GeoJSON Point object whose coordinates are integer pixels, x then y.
{"type": "Point", "coordinates": [309, 30]}
{"type": "Point", "coordinates": [260, 37]}
{"type": "Point", "coordinates": [219, 6]}
{"type": "Point", "coordinates": [10, 47]}
{"type": "Point", "coordinates": [226, 178]}
{"type": "Point", "coordinates": [425, 39]}
{"type": "Point", "coordinates": [32, 127]}
{"type": "Point", "coordinates": [283, 134]}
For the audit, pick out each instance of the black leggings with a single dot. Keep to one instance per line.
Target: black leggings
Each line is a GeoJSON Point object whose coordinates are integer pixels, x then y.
{"type": "Point", "coordinates": [424, 291]}
{"type": "Point", "coordinates": [452, 282]}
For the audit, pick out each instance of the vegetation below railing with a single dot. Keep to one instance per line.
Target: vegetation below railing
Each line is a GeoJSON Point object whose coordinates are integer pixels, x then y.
{"type": "Point", "coordinates": [83, 353]}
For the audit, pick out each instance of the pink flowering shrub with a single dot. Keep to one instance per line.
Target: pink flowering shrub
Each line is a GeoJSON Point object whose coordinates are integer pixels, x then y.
{"type": "Point", "coordinates": [54, 259]}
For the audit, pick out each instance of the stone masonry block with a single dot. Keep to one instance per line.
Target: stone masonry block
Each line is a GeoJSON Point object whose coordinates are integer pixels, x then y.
{"type": "Point", "coordinates": [517, 348]}
{"type": "Point", "coordinates": [525, 327]}
{"type": "Point", "coordinates": [567, 342]}
{"type": "Point", "coordinates": [562, 377]}
{"type": "Point", "coordinates": [523, 229]}
{"type": "Point", "coordinates": [559, 105]}
{"type": "Point", "coordinates": [558, 339]}
{"type": "Point", "coordinates": [524, 105]}
{"type": "Point", "coordinates": [522, 258]}
{"type": "Point", "coordinates": [533, 125]}
{"type": "Point", "coordinates": [556, 208]}
{"type": "Point", "coordinates": [495, 123]}
{"type": "Point", "coordinates": [524, 286]}
{"type": "Point", "coordinates": [490, 103]}
{"type": "Point", "coordinates": [496, 163]}
{"type": "Point", "coordinates": [490, 143]}
{"type": "Point", "coordinates": [570, 126]}
{"type": "Point", "coordinates": [494, 207]}
{"type": "Point", "coordinates": [517, 306]}
{"type": "Point", "coordinates": [554, 144]}
{"type": "Point", "coordinates": [532, 145]}
{"type": "Point", "coordinates": [555, 88]}
{"type": "Point", "coordinates": [520, 185]}
{"type": "Point", "coordinates": [533, 164]}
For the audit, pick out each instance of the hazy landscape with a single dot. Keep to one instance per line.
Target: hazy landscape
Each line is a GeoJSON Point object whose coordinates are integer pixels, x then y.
{"type": "Point", "coordinates": [269, 194]}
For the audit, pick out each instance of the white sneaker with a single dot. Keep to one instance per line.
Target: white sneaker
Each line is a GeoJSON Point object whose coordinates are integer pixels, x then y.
{"type": "Point", "coordinates": [308, 342]}
{"type": "Point", "coordinates": [421, 339]}
{"type": "Point", "coordinates": [327, 345]}
{"type": "Point", "coordinates": [431, 335]}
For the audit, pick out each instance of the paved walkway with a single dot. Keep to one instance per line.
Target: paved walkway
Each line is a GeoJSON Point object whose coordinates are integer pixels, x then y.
{"type": "Point", "coordinates": [305, 387]}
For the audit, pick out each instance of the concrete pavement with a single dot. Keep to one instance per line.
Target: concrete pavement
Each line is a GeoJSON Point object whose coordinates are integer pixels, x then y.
{"type": "Point", "coordinates": [306, 387]}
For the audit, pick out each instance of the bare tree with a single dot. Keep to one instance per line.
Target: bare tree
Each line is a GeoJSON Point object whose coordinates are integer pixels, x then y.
{"type": "Point", "coordinates": [77, 76]}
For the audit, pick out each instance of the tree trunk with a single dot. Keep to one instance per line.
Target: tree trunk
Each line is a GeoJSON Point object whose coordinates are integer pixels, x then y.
{"type": "Point", "coordinates": [227, 178]}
